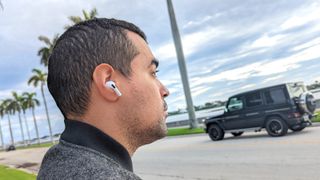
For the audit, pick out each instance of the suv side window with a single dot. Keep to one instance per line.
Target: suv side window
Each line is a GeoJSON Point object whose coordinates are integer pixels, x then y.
{"type": "Point", "coordinates": [275, 96]}
{"type": "Point", "coordinates": [253, 99]}
{"type": "Point", "coordinates": [235, 103]}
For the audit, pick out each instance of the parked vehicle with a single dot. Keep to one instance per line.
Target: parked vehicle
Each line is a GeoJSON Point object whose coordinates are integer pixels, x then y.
{"type": "Point", "coordinates": [276, 108]}
{"type": "Point", "coordinates": [11, 148]}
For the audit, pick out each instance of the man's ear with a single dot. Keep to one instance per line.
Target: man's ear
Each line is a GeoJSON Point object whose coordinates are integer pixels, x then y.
{"type": "Point", "coordinates": [102, 74]}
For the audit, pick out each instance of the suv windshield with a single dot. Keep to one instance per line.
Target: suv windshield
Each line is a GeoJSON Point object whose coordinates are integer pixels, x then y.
{"type": "Point", "coordinates": [296, 89]}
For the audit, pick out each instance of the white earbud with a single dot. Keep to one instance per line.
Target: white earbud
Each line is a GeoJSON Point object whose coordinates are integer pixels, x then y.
{"type": "Point", "coordinates": [113, 86]}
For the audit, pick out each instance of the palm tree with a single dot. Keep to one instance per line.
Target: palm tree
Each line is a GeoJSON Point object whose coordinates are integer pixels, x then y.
{"type": "Point", "coordinates": [24, 107]}
{"type": "Point", "coordinates": [1, 5]}
{"type": "Point", "coordinates": [2, 113]}
{"type": "Point", "coordinates": [6, 109]}
{"type": "Point", "coordinates": [31, 102]}
{"type": "Point", "coordinates": [15, 103]}
{"type": "Point", "coordinates": [46, 51]}
{"type": "Point", "coordinates": [86, 16]}
{"type": "Point", "coordinates": [40, 77]}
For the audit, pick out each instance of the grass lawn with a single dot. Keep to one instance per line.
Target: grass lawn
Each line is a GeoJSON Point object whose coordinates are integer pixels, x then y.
{"type": "Point", "coordinates": [36, 146]}
{"type": "Point", "coordinates": [317, 118]}
{"type": "Point", "coordinates": [13, 174]}
{"type": "Point", "coordinates": [183, 131]}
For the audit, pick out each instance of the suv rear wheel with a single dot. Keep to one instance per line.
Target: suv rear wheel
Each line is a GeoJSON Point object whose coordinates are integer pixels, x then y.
{"type": "Point", "coordinates": [276, 127]}
{"type": "Point", "coordinates": [215, 132]}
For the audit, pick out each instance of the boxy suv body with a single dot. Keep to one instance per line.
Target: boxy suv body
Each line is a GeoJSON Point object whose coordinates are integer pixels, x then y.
{"type": "Point", "coordinates": [276, 108]}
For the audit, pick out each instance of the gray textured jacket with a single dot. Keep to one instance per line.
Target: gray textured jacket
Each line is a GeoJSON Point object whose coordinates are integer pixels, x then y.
{"type": "Point", "coordinates": [85, 152]}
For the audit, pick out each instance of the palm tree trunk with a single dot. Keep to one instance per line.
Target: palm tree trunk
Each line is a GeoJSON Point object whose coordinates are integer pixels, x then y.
{"type": "Point", "coordinates": [21, 128]}
{"type": "Point", "coordinates": [10, 129]}
{"type": "Point", "coordinates": [27, 126]}
{"type": "Point", "coordinates": [45, 105]}
{"type": "Point", "coordinates": [1, 134]}
{"type": "Point", "coordinates": [35, 125]}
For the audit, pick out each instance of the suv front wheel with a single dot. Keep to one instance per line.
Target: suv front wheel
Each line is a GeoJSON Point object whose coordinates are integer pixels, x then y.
{"type": "Point", "coordinates": [276, 127]}
{"type": "Point", "coordinates": [215, 132]}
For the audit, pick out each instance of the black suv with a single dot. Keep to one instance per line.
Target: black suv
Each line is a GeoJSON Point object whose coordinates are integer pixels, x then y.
{"type": "Point", "coordinates": [276, 108]}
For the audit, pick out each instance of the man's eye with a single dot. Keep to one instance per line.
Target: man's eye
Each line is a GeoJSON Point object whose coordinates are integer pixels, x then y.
{"type": "Point", "coordinates": [155, 73]}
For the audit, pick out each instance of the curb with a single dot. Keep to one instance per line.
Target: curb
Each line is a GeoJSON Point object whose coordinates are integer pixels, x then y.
{"type": "Point", "coordinates": [315, 124]}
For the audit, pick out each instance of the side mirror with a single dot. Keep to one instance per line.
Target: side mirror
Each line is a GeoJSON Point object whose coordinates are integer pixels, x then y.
{"type": "Point", "coordinates": [225, 109]}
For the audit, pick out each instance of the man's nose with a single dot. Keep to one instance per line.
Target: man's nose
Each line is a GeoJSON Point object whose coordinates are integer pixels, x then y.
{"type": "Point", "coordinates": [164, 91]}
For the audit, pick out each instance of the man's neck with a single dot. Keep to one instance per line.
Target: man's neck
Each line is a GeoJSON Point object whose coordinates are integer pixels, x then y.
{"type": "Point", "coordinates": [111, 129]}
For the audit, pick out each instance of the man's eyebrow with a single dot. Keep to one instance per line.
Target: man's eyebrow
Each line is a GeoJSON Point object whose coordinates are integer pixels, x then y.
{"type": "Point", "coordinates": [154, 62]}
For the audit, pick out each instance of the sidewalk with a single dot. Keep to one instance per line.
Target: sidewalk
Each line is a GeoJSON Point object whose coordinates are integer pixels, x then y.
{"type": "Point", "coordinates": [28, 160]}
{"type": "Point", "coordinates": [315, 124]}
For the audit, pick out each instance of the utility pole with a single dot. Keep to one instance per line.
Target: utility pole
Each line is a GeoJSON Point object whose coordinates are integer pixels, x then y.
{"type": "Point", "coordinates": [182, 66]}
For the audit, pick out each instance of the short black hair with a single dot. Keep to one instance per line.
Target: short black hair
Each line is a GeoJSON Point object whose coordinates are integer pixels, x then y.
{"type": "Point", "coordinates": [77, 53]}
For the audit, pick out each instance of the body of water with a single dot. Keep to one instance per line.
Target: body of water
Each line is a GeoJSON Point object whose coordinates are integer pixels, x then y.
{"type": "Point", "coordinates": [199, 114]}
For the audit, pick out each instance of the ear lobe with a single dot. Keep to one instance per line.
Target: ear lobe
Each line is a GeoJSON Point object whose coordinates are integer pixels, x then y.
{"type": "Point", "coordinates": [102, 74]}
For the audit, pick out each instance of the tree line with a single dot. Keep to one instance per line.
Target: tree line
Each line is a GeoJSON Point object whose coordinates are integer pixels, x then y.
{"type": "Point", "coordinates": [315, 85]}
{"type": "Point", "coordinates": [21, 103]}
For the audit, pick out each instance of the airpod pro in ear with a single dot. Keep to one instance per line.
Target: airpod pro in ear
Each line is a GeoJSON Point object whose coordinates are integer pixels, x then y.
{"type": "Point", "coordinates": [112, 85]}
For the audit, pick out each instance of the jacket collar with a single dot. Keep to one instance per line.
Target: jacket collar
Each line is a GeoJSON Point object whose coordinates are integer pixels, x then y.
{"type": "Point", "coordinates": [86, 135]}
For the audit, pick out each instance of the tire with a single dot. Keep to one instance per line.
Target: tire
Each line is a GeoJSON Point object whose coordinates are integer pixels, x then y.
{"type": "Point", "coordinates": [297, 129]}
{"type": "Point", "coordinates": [215, 132]}
{"type": "Point", "coordinates": [235, 134]}
{"type": "Point", "coordinates": [276, 127]}
{"type": "Point", "coordinates": [306, 103]}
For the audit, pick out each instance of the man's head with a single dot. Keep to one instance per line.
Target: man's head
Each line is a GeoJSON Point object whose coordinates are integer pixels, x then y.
{"type": "Point", "coordinates": [93, 52]}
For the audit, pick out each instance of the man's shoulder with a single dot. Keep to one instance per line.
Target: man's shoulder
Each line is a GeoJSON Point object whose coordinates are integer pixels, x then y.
{"type": "Point", "coordinates": [69, 161]}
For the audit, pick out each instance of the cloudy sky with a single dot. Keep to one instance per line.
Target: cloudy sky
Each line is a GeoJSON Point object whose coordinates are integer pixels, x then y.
{"type": "Point", "coordinates": [229, 45]}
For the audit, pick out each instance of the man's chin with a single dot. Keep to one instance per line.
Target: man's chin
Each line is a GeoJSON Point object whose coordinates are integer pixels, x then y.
{"type": "Point", "coordinates": [158, 132]}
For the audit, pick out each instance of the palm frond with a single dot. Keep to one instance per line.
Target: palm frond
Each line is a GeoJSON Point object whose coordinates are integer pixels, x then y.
{"type": "Point", "coordinates": [55, 39]}
{"type": "Point", "coordinates": [33, 79]}
{"type": "Point", "coordinates": [93, 13]}
{"type": "Point", "coordinates": [75, 19]}
{"type": "Point", "coordinates": [45, 39]}
{"type": "Point", "coordinates": [85, 15]}
{"type": "Point", "coordinates": [43, 50]}
{"type": "Point", "coordinates": [37, 71]}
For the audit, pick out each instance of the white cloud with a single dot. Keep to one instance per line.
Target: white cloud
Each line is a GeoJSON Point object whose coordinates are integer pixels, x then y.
{"type": "Point", "coordinates": [229, 75]}
{"type": "Point", "coordinates": [288, 63]}
{"type": "Point", "coordinates": [309, 44]}
{"type": "Point", "coordinates": [173, 90]}
{"type": "Point", "coordinates": [196, 91]}
{"type": "Point", "coordinates": [261, 68]}
{"type": "Point", "coordinates": [19, 88]}
{"type": "Point", "coordinates": [174, 100]}
{"type": "Point", "coordinates": [272, 79]}
{"type": "Point", "coordinates": [248, 86]}
{"type": "Point", "coordinates": [190, 42]}
{"type": "Point", "coordinates": [169, 82]}
{"type": "Point", "coordinates": [304, 16]}
{"type": "Point", "coordinates": [200, 91]}
{"type": "Point", "coordinates": [200, 21]}
{"type": "Point", "coordinates": [267, 41]}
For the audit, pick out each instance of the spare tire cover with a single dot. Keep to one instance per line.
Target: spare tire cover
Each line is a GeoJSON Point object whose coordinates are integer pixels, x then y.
{"type": "Point", "coordinates": [307, 103]}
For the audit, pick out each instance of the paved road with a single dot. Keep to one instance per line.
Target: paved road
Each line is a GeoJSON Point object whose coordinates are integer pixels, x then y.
{"type": "Point", "coordinates": [249, 157]}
